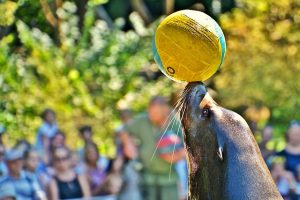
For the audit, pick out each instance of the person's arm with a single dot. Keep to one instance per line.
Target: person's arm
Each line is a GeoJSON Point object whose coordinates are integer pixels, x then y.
{"type": "Point", "coordinates": [53, 190]}
{"type": "Point", "coordinates": [39, 193]}
{"type": "Point", "coordinates": [174, 157]}
{"type": "Point", "coordinates": [129, 148]}
{"type": "Point", "coordinates": [291, 180]}
{"type": "Point", "coordinates": [84, 186]}
{"type": "Point", "coordinates": [46, 144]}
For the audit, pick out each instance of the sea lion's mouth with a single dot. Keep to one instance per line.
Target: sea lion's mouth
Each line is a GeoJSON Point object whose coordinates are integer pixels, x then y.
{"type": "Point", "coordinates": [194, 103]}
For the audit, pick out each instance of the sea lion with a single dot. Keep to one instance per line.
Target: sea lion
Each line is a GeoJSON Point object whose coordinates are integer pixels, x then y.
{"type": "Point", "coordinates": [225, 162]}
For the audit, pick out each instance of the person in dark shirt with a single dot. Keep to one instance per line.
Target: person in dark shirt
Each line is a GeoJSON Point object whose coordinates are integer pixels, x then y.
{"type": "Point", "coordinates": [66, 184]}
{"type": "Point", "coordinates": [292, 150]}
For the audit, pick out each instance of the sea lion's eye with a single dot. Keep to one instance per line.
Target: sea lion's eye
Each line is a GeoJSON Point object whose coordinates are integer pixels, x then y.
{"type": "Point", "coordinates": [205, 113]}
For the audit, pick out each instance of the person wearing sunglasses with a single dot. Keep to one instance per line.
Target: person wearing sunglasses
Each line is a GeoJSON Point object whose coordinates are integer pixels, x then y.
{"type": "Point", "coordinates": [66, 184]}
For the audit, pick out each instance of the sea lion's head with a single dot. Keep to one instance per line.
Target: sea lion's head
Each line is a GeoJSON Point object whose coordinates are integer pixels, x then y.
{"type": "Point", "coordinates": [210, 132]}
{"type": "Point", "coordinates": [205, 123]}
{"type": "Point", "coordinates": [223, 156]}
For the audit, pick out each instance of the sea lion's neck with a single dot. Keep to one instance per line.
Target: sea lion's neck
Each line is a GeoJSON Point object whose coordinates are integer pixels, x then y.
{"type": "Point", "coordinates": [207, 172]}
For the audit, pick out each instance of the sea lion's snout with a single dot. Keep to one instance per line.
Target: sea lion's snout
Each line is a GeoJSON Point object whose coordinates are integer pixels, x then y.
{"type": "Point", "coordinates": [197, 104]}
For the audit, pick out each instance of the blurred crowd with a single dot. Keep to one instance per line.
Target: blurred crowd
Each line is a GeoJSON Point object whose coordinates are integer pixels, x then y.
{"type": "Point", "coordinates": [284, 165]}
{"type": "Point", "coordinates": [149, 164]}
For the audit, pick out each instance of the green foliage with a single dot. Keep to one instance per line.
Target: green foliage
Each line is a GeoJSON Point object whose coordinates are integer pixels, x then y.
{"type": "Point", "coordinates": [7, 10]}
{"type": "Point", "coordinates": [87, 75]}
{"type": "Point", "coordinates": [85, 79]}
{"type": "Point", "coordinates": [96, 2]}
{"type": "Point", "coordinates": [263, 60]}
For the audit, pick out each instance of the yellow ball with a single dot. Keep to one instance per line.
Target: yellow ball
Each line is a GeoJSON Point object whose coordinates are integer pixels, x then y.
{"type": "Point", "coordinates": [189, 46]}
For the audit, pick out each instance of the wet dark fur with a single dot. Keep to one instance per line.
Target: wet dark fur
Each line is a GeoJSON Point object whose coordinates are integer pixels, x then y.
{"type": "Point", "coordinates": [224, 159]}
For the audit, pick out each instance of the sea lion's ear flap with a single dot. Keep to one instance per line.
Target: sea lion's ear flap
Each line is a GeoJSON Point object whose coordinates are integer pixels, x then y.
{"type": "Point", "coordinates": [220, 153]}
{"type": "Point", "coordinates": [220, 143]}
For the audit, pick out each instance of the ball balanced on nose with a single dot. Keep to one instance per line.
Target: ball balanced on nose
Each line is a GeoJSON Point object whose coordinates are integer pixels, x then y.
{"type": "Point", "coordinates": [189, 46]}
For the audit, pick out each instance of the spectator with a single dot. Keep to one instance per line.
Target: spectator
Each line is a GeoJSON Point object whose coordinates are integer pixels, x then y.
{"type": "Point", "coordinates": [3, 168]}
{"type": "Point", "coordinates": [46, 131]}
{"type": "Point", "coordinates": [168, 144]}
{"type": "Point", "coordinates": [31, 167]}
{"type": "Point", "coordinates": [22, 145]}
{"type": "Point", "coordinates": [267, 135]}
{"type": "Point", "coordinates": [7, 191]}
{"type": "Point", "coordinates": [292, 150]}
{"type": "Point", "coordinates": [298, 182]}
{"type": "Point", "coordinates": [76, 163]}
{"type": "Point", "coordinates": [24, 186]}
{"type": "Point", "coordinates": [58, 140]}
{"type": "Point", "coordinates": [284, 180]}
{"type": "Point", "coordinates": [126, 117]}
{"type": "Point", "coordinates": [95, 174]}
{"type": "Point", "coordinates": [113, 182]}
{"type": "Point", "coordinates": [131, 178]}
{"type": "Point", "coordinates": [147, 128]}
{"type": "Point", "coordinates": [86, 134]}
{"type": "Point", "coordinates": [66, 184]}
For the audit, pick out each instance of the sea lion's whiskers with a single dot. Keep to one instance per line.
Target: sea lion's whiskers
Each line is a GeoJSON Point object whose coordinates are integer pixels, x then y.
{"type": "Point", "coordinates": [177, 105]}
{"type": "Point", "coordinates": [171, 164]}
{"type": "Point", "coordinates": [173, 110]}
{"type": "Point", "coordinates": [179, 111]}
{"type": "Point", "coordinates": [164, 132]}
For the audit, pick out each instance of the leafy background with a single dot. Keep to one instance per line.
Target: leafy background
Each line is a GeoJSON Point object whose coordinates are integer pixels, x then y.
{"type": "Point", "coordinates": [86, 68]}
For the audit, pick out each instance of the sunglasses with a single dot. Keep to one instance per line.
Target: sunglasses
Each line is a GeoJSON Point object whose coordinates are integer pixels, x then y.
{"type": "Point", "coordinates": [61, 158]}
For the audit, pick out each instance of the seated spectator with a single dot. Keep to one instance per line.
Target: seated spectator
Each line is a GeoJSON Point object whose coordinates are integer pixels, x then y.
{"type": "Point", "coordinates": [25, 187]}
{"type": "Point", "coordinates": [95, 174]}
{"type": "Point", "coordinates": [58, 140]}
{"type": "Point", "coordinates": [7, 191]}
{"type": "Point", "coordinates": [266, 135]}
{"type": "Point", "coordinates": [292, 150]}
{"type": "Point", "coordinates": [45, 132]}
{"type": "Point", "coordinates": [85, 134]}
{"type": "Point", "coordinates": [22, 145]}
{"type": "Point", "coordinates": [284, 180]}
{"type": "Point", "coordinates": [31, 167]}
{"type": "Point", "coordinates": [3, 168]}
{"type": "Point", "coordinates": [76, 163]}
{"type": "Point", "coordinates": [113, 182]}
{"type": "Point", "coordinates": [102, 182]}
{"type": "Point", "coordinates": [66, 184]}
{"type": "Point", "coordinates": [130, 172]}
{"type": "Point", "coordinates": [298, 182]}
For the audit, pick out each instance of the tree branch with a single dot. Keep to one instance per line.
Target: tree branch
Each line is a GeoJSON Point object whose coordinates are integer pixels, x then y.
{"type": "Point", "coordinates": [48, 13]}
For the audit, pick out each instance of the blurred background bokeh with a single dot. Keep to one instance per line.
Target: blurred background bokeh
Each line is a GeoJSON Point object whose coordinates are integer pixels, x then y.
{"type": "Point", "coordinates": [88, 59]}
